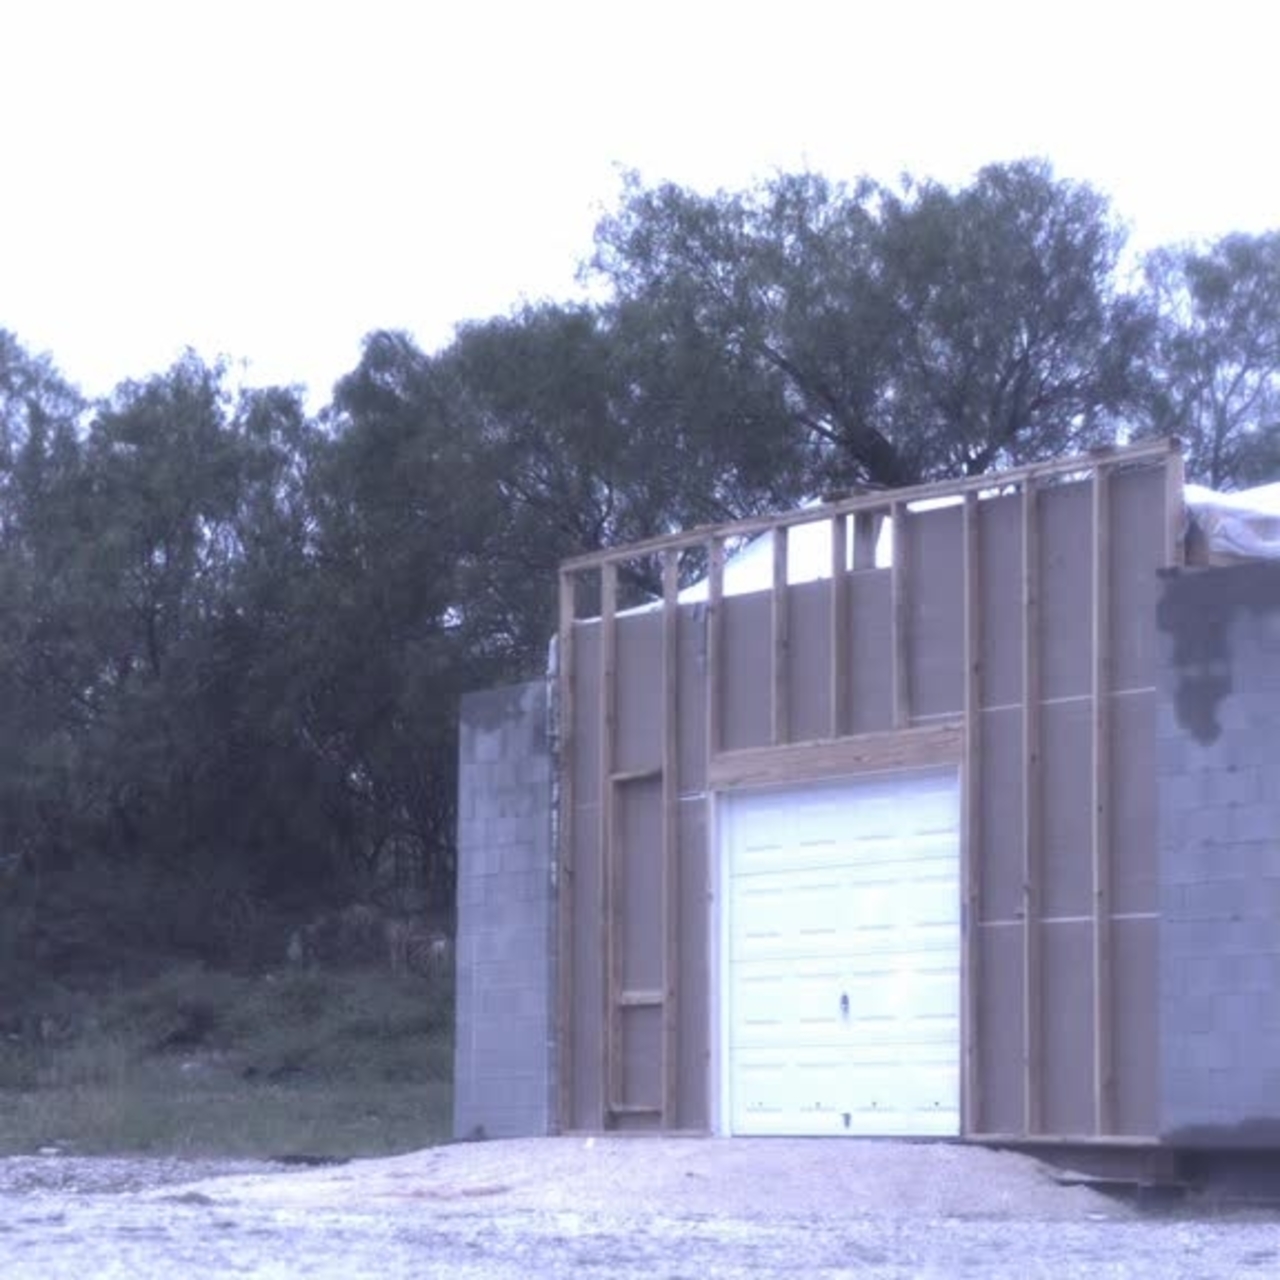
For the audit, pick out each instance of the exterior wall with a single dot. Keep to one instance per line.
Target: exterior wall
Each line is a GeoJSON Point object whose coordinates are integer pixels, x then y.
{"type": "Point", "coordinates": [1062, 1035]}
{"type": "Point", "coordinates": [504, 1073]}
{"type": "Point", "coordinates": [1219, 788]}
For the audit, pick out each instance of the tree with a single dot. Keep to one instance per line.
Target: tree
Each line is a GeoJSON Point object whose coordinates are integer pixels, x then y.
{"type": "Point", "coordinates": [1215, 361]}
{"type": "Point", "coordinates": [894, 336]}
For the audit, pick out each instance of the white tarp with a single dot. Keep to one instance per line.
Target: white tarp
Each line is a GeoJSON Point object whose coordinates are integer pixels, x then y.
{"type": "Point", "coordinates": [1243, 526]}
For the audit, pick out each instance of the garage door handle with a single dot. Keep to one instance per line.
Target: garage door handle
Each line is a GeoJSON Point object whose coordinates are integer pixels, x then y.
{"type": "Point", "coordinates": [844, 1005]}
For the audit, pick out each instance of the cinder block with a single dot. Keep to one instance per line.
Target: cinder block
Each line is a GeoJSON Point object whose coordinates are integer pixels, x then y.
{"type": "Point", "coordinates": [1208, 1051]}
{"type": "Point", "coordinates": [1206, 824]}
{"type": "Point", "coordinates": [1237, 784]}
{"type": "Point", "coordinates": [1251, 822]}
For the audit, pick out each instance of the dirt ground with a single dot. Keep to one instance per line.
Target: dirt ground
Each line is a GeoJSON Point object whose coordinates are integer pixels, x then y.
{"type": "Point", "coordinates": [703, 1208]}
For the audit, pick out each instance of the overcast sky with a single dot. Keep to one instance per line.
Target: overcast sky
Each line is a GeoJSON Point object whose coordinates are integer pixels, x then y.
{"type": "Point", "coordinates": [270, 179]}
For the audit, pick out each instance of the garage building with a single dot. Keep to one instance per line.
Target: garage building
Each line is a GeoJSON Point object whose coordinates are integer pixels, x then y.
{"type": "Point", "coordinates": [938, 812]}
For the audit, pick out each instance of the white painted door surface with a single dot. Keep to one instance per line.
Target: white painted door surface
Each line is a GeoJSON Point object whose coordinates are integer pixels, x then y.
{"type": "Point", "coordinates": [842, 942]}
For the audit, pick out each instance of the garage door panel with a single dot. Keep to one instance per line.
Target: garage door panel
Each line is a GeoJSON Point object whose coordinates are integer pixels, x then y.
{"type": "Point", "coordinates": [843, 955]}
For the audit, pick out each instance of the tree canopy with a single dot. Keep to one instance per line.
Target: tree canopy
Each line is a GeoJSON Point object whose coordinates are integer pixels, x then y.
{"type": "Point", "coordinates": [233, 635]}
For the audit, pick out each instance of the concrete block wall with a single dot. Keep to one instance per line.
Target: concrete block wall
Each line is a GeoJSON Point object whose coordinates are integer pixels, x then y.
{"type": "Point", "coordinates": [504, 1074]}
{"type": "Point", "coordinates": [1219, 796]}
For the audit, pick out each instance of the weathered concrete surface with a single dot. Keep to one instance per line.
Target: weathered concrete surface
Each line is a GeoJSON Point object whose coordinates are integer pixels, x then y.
{"type": "Point", "coordinates": [503, 1082]}
{"type": "Point", "coordinates": [1219, 800]}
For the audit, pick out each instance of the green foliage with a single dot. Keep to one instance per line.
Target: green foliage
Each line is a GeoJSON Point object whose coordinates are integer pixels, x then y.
{"type": "Point", "coordinates": [890, 336]}
{"type": "Point", "coordinates": [208, 1062]}
{"type": "Point", "coordinates": [1215, 371]}
{"type": "Point", "coordinates": [233, 637]}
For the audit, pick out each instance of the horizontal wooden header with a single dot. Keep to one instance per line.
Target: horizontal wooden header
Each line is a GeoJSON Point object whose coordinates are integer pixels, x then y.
{"type": "Point", "coordinates": [935, 744]}
{"type": "Point", "coordinates": [1147, 451]}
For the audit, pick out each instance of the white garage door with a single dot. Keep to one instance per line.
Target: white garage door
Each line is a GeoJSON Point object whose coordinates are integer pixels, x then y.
{"type": "Point", "coordinates": [842, 950]}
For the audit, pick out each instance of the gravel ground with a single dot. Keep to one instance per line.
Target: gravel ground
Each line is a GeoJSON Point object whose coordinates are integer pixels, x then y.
{"type": "Point", "coordinates": [701, 1208]}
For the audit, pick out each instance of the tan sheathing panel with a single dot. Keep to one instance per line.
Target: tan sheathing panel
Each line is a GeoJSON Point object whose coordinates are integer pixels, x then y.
{"type": "Point", "coordinates": [637, 740]}
{"type": "Point", "coordinates": [1066, 610]}
{"type": "Point", "coordinates": [1134, 824]}
{"type": "Point", "coordinates": [809, 661]}
{"type": "Point", "coordinates": [1000, 593]}
{"type": "Point", "coordinates": [1135, 1037]}
{"type": "Point", "coordinates": [695, 1030]}
{"type": "Point", "coordinates": [586, 713]}
{"type": "Point", "coordinates": [870, 650]}
{"type": "Point", "coordinates": [746, 674]}
{"type": "Point", "coordinates": [639, 836]}
{"type": "Point", "coordinates": [1000, 857]}
{"type": "Point", "coordinates": [935, 612]}
{"type": "Point", "coordinates": [1065, 863]}
{"type": "Point", "coordinates": [641, 1054]}
{"type": "Point", "coordinates": [1066, 1006]}
{"type": "Point", "coordinates": [1137, 544]}
{"type": "Point", "coordinates": [1000, 1102]}
{"type": "Point", "coordinates": [586, 1111]}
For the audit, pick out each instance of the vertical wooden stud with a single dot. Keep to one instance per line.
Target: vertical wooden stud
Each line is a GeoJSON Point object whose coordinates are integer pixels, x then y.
{"type": "Point", "coordinates": [1103, 1057]}
{"type": "Point", "coordinates": [840, 655]}
{"type": "Point", "coordinates": [670, 834]}
{"type": "Point", "coordinates": [781, 647]}
{"type": "Point", "coordinates": [1032, 1010]}
{"type": "Point", "coordinates": [971, 774]}
{"type": "Point", "coordinates": [565, 819]}
{"type": "Point", "coordinates": [610, 1013]}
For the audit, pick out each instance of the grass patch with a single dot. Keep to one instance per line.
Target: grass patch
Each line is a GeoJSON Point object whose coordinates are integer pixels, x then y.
{"type": "Point", "coordinates": [197, 1063]}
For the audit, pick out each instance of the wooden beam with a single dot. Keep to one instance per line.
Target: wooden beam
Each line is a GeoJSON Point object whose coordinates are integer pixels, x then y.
{"type": "Point", "coordinates": [1081, 465]}
{"type": "Point", "coordinates": [624, 776]}
{"type": "Point", "coordinates": [610, 1069]}
{"type": "Point", "coordinates": [839, 634]}
{"type": "Point", "coordinates": [715, 646]}
{"type": "Point", "coordinates": [1103, 990]}
{"type": "Point", "coordinates": [641, 999]}
{"type": "Point", "coordinates": [670, 835]}
{"type": "Point", "coordinates": [565, 818]}
{"type": "Point", "coordinates": [971, 801]}
{"type": "Point", "coordinates": [901, 620]}
{"type": "Point", "coordinates": [934, 744]}
{"type": "Point", "coordinates": [1032, 1011]}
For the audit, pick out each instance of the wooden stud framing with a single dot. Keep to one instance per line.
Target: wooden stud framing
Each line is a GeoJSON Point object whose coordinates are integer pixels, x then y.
{"type": "Point", "coordinates": [875, 504]}
{"type": "Point", "coordinates": [670, 832]}
{"type": "Point", "coordinates": [565, 710]}
{"type": "Point", "coordinates": [953, 742]}
{"type": "Point", "coordinates": [610, 1030]}
{"type": "Point", "coordinates": [900, 585]}
{"type": "Point", "coordinates": [781, 647]}
{"type": "Point", "coordinates": [640, 999]}
{"type": "Point", "coordinates": [1103, 1055]}
{"type": "Point", "coordinates": [933, 744]}
{"type": "Point", "coordinates": [715, 648]}
{"type": "Point", "coordinates": [971, 791]}
{"type": "Point", "coordinates": [1032, 1010]}
{"type": "Point", "coordinates": [840, 655]}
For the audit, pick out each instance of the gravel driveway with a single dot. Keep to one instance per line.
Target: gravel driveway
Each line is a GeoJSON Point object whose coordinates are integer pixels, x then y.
{"type": "Point", "coordinates": [697, 1208]}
